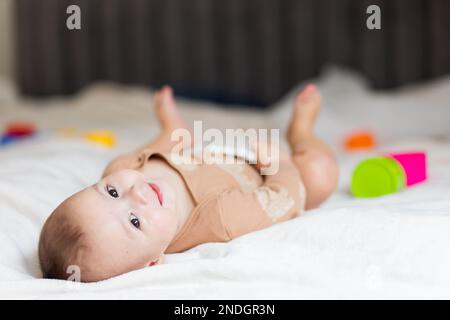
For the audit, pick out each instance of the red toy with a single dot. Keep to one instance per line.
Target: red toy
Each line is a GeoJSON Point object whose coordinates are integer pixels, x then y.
{"type": "Point", "coordinates": [17, 131]}
{"type": "Point", "coordinates": [20, 129]}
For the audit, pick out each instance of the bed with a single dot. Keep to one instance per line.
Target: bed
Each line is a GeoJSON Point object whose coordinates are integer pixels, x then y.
{"type": "Point", "coordinates": [395, 246]}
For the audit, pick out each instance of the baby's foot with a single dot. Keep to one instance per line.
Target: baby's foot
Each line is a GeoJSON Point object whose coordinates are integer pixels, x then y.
{"type": "Point", "coordinates": [306, 108]}
{"type": "Point", "coordinates": [166, 110]}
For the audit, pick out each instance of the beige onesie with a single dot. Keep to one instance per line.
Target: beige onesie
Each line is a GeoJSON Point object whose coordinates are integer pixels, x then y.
{"type": "Point", "coordinates": [234, 199]}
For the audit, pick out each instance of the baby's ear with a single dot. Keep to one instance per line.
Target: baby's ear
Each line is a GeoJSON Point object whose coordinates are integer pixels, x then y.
{"type": "Point", "coordinates": [160, 260]}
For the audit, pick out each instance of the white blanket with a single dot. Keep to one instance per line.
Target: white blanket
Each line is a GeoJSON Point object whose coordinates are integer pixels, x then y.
{"type": "Point", "coordinates": [391, 247]}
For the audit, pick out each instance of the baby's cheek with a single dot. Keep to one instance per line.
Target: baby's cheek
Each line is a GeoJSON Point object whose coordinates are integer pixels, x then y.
{"type": "Point", "coordinates": [166, 220]}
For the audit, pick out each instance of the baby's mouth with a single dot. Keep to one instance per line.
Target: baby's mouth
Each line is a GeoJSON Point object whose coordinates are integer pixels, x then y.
{"type": "Point", "coordinates": [158, 192]}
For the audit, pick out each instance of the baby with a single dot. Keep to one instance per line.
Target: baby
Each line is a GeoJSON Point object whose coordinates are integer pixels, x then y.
{"type": "Point", "coordinates": [147, 205]}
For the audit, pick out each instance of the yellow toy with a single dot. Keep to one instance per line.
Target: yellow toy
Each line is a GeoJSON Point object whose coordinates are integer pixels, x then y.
{"type": "Point", "coordinates": [105, 138]}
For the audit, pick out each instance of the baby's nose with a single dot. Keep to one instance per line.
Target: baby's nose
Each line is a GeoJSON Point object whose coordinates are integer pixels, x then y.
{"type": "Point", "coordinates": [139, 195]}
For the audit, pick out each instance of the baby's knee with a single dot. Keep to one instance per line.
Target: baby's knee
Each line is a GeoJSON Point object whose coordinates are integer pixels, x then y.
{"type": "Point", "coordinates": [319, 172]}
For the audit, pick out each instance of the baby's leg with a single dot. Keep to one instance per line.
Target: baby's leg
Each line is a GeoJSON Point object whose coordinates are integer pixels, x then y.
{"type": "Point", "coordinates": [166, 110]}
{"type": "Point", "coordinates": [169, 119]}
{"type": "Point", "coordinates": [313, 158]}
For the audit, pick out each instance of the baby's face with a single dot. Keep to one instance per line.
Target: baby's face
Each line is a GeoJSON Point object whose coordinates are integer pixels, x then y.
{"type": "Point", "coordinates": [129, 221]}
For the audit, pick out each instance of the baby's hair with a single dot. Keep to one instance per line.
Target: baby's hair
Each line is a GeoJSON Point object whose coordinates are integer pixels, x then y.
{"type": "Point", "coordinates": [60, 245]}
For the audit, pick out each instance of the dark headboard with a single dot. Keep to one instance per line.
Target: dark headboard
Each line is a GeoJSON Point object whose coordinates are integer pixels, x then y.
{"type": "Point", "coordinates": [246, 51]}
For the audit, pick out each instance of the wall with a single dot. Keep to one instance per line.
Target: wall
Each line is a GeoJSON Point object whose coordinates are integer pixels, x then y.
{"type": "Point", "coordinates": [234, 51]}
{"type": "Point", "coordinates": [6, 38]}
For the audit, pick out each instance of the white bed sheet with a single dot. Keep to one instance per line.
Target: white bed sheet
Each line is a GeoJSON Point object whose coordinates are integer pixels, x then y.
{"type": "Point", "coordinates": [391, 247]}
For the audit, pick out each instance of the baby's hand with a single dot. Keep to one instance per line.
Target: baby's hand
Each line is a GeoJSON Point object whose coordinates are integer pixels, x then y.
{"type": "Point", "coordinates": [268, 155]}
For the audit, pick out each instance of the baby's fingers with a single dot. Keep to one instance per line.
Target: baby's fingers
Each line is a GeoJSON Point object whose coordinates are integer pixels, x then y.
{"type": "Point", "coordinates": [264, 152]}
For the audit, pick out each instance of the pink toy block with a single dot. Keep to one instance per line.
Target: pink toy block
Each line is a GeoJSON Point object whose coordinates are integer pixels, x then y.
{"type": "Point", "coordinates": [414, 164]}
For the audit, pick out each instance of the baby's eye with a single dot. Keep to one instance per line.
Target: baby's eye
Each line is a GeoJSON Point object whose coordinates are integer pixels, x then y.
{"type": "Point", "coordinates": [112, 192]}
{"type": "Point", "coordinates": [135, 221]}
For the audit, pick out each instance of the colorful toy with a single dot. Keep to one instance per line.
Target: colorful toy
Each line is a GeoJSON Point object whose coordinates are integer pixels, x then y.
{"type": "Point", "coordinates": [7, 139]}
{"type": "Point", "coordinates": [20, 129]}
{"type": "Point", "coordinates": [387, 174]}
{"type": "Point", "coordinates": [414, 164]}
{"type": "Point", "coordinates": [103, 137]}
{"type": "Point", "coordinates": [362, 140]}
{"type": "Point", "coordinates": [16, 131]}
